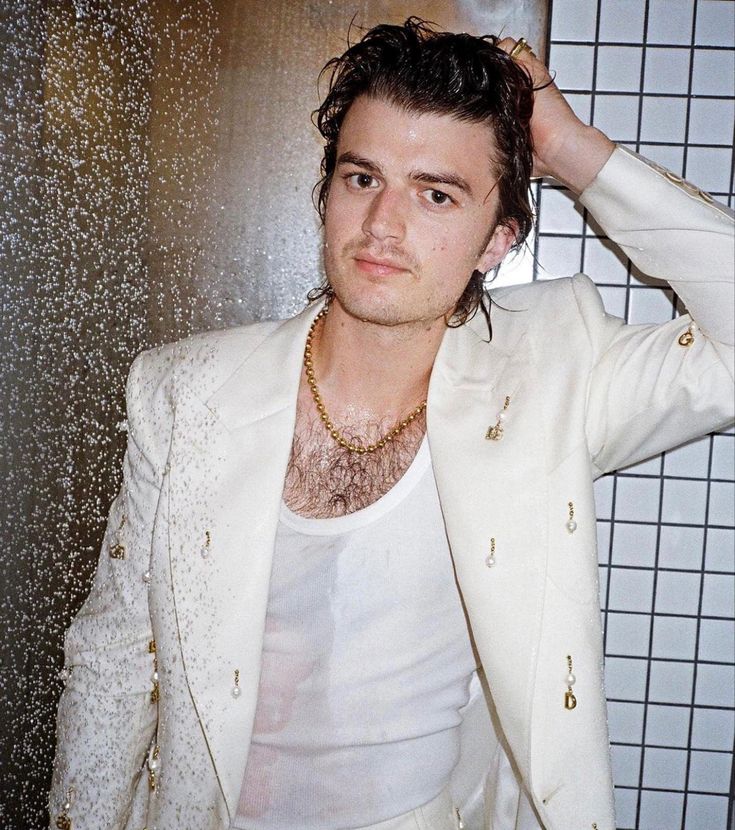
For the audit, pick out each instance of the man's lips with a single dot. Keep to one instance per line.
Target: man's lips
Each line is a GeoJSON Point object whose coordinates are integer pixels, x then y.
{"type": "Point", "coordinates": [378, 267]}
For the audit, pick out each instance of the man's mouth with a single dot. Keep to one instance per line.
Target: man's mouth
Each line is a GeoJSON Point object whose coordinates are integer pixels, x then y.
{"type": "Point", "coordinates": [378, 266]}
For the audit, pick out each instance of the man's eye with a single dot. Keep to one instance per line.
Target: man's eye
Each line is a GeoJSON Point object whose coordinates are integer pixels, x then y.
{"type": "Point", "coordinates": [361, 181]}
{"type": "Point", "coordinates": [438, 197]}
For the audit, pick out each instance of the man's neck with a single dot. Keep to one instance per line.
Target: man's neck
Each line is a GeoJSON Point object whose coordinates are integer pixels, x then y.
{"type": "Point", "coordinates": [372, 368]}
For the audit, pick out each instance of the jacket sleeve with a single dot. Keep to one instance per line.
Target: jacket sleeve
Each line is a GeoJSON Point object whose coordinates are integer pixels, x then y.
{"type": "Point", "coordinates": [653, 387]}
{"type": "Point", "coordinates": [107, 717]}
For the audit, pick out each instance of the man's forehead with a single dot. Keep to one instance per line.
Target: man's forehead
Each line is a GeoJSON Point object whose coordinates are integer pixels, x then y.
{"type": "Point", "coordinates": [382, 133]}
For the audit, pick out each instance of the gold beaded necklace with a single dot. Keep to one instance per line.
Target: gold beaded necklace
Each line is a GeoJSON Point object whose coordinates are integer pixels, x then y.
{"type": "Point", "coordinates": [321, 409]}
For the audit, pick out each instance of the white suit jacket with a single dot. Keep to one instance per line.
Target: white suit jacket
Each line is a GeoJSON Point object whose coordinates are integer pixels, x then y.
{"type": "Point", "coordinates": [187, 553]}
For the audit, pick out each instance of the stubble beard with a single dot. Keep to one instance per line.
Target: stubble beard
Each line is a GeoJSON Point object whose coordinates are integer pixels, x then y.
{"type": "Point", "coordinates": [391, 309]}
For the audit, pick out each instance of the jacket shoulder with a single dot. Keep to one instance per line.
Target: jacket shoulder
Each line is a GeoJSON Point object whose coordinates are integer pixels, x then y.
{"type": "Point", "coordinates": [201, 361]}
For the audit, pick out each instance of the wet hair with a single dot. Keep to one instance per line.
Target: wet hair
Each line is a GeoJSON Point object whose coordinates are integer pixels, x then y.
{"type": "Point", "coordinates": [426, 71]}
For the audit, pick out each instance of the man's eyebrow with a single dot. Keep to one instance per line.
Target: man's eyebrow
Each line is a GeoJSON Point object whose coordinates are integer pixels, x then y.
{"type": "Point", "coordinates": [452, 179]}
{"type": "Point", "coordinates": [358, 161]}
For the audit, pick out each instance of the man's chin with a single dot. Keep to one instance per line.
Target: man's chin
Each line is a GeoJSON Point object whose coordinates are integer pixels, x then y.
{"type": "Point", "coordinates": [388, 314]}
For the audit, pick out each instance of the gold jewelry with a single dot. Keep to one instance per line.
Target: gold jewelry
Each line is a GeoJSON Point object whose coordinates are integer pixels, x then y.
{"type": "Point", "coordinates": [321, 409]}
{"type": "Point", "coordinates": [521, 45]}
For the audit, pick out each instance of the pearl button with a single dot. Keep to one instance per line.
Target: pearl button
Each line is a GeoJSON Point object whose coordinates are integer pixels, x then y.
{"type": "Point", "coordinates": [236, 691]}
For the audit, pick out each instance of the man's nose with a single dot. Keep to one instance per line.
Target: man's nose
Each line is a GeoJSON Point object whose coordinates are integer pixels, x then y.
{"type": "Point", "coordinates": [385, 218]}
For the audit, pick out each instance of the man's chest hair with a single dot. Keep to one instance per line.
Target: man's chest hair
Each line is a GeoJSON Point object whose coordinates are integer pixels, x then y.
{"type": "Point", "coordinates": [324, 480]}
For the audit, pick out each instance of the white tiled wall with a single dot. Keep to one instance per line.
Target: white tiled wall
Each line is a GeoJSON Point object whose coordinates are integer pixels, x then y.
{"type": "Point", "coordinates": [658, 76]}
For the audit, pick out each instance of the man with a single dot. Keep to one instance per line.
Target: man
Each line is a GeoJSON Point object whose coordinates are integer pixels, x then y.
{"type": "Point", "coordinates": [276, 636]}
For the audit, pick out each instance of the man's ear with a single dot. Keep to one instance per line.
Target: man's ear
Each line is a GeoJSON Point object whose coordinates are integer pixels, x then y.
{"type": "Point", "coordinates": [500, 242]}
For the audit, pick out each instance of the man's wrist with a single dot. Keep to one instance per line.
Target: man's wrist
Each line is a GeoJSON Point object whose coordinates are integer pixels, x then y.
{"type": "Point", "coordinates": [580, 158]}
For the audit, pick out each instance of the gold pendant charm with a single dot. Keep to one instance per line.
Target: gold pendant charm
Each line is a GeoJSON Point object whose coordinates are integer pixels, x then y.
{"type": "Point", "coordinates": [495, 432]}
{"type": "Point", "coordinates": [570, 701]}
{"type": "Point", "coordinates": [63, 822]}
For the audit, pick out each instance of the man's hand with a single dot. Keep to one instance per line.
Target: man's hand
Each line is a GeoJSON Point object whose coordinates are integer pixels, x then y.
{"type": "Point", "coordinates": [565, 148]}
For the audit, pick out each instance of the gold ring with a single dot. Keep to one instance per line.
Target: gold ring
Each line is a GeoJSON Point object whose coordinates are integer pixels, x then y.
{"type": "Point", "coordinates": [521, 44]}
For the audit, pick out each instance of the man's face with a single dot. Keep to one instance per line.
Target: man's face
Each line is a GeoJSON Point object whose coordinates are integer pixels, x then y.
{"type": "Point", "coordinates": [410, 213]}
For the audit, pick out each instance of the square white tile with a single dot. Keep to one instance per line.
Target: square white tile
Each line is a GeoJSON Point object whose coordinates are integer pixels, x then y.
{"type": "Point", "coordinates": [722, 503]}
{"type": "Point", "coordinates": [677, 592]}
{"type": "Point", "coordinates": [634, 544]}
{"type": "Point", "coordinates": [668, 725]}
{"type": "Point", "coordinates": [709, 168]}
{"type": "Point", "coordinates": [666, 70]}
{"type": "Point", "coordinates": [664, 119]}
{"type": "Point", "coordinates": [625, 678]}
{"type": "Point", "coordinates": [614, 299]}
{"type": "Point", "coordinates": [713, 72]}
{"type": "Point", "coordinates": [681, 547]}
{"type": "Point", "coordinates": [628, 634]}
{"type": "Point", "coordinates": [625, 765]}
{"type": "Point", "coordinates": [706, 812]}
{"type": "Point", "coordinates": [626, 722]}
{"type": "Point", "coordinates": [573, 20]}
{"type": "Point", "coordinates": [617, 116]}
{"type": "Point", "coordinates": [558, 256]}
{"type": "Point", "coordinates": [650, 305]}
{"type": "Point", "coordinates": [626, 807]}
{"type": "Point", "coordinates": [685, 501]}
{"type": "Point", "coordinates": [674, 638]}
{"type": "Point", "coordinates": [720, 548]}
{"type": "Point", "coordinates": [572, 66]}
{"type": "Point", "coordinates": [715, 685]}
{"type": "Point", "coordinates": [603, 488]}
{"type": "Point", "coordinates": [664, 768]}
{"type": "Point", "coordinates": [710, 772]}
{"type": "Point", "coordinates": [715, 22]}
{"type": "Point", "coordinates": [670, 682]}
{"type": "Point", "coordinates": [713, 729]}
{"type": "Point", "coordinates": [660, 811]}
{"type": "Point", "coordinates": [604, 262]}
{"type": "Point", "coordinates": [670, 21]}
{"type": "Point", "coordinates": [622, 21]}
{"type": "Point", "coordinates": [618, 68]}
{"type": "Point", "coordinates": [558, 212]}
{"type": "Point", "coordinates": [711, 120]}
{"type": "Point", "coordinates": [723, 457]}
{"type": "Point", "coordinates": [630, 590]}
{"type": "Point", "coordinates": [717, 640]}
{"type": "Point", "coordinates": [718, 595]}
{"type": "Point", "coordinates": [637, 499]}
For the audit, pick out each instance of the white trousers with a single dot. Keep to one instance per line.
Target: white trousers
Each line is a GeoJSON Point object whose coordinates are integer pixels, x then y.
{"type": "Point", "coordinates": [437, 814]}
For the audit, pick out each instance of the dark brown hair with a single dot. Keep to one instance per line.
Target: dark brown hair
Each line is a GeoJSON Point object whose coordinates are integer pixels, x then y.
{"type": "Point", "coordinates": [423, 70]}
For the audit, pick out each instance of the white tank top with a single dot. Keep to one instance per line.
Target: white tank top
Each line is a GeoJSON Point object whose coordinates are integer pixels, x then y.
{"type": "Point", "coordinates": [366, 663]}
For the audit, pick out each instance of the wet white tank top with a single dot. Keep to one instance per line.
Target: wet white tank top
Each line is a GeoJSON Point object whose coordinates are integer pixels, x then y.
{"type": "Point", "coordinates": [366, 663]}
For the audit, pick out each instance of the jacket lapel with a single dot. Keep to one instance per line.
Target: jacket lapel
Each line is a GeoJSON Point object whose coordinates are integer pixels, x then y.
{"type": "Point", "coordinates": [479, 481]}
{"type": "Point", "coordinates": [228, 464]}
